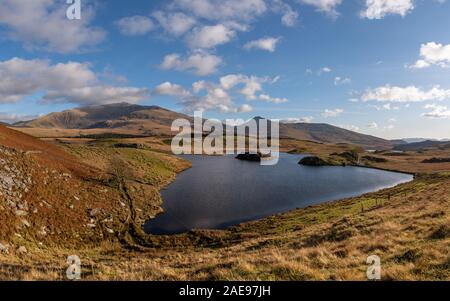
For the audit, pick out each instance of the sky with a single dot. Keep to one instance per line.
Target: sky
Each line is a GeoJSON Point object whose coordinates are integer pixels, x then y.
{"type": "Point", "coordinates": [379, 67]}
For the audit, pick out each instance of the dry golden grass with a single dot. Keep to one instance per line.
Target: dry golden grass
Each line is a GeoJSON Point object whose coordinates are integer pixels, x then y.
{"type": "Point", "coordinates": [407, 226]}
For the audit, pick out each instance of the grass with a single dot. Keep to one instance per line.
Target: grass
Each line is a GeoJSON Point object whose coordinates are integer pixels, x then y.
{"type": "Point", "coordinates": [407, 226]}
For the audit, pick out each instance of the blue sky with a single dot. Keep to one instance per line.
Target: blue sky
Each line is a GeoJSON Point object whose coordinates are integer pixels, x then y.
{"type": "Point", "coordinates": [378, 67]}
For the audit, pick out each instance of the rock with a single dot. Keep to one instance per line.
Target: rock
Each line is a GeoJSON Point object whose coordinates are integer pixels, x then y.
{"type": "Point", "coordinates": [26, 223]}
{"type": "Point", "coordinates": [21, 213]}
{"type": "Point", "coordinates": [95, 212]}
{"type": "Point", "coordinates": [91, 225]}
{"type": "Point", "coordinates": [4, 249]}
{"type": "Point", "coordinates": [249, 157]}
{"type": "Point", "coordinates": [22, 250]}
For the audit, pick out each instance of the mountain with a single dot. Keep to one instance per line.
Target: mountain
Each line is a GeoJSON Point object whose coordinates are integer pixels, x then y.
{"type": "Point", "coordinates": [418, 146]}
{"type": "Point", "coordinates": [416, 140]}
{"type": "Point", "coordinates": [326, 133]}
{"type": "Point", "coordinates": [123, 117]}
{"type": "Point", "coordinates": [133, 119]}
{"type": "Point", "coordinates": [399, 142]}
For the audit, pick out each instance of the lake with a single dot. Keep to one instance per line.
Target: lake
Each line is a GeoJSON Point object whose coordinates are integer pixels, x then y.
{"type": "Point", "coordinates": [219, 192]}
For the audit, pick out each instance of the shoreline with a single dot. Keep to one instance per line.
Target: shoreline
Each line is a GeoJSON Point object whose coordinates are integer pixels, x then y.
{"type": "Point", "coordinates": [330, 202]}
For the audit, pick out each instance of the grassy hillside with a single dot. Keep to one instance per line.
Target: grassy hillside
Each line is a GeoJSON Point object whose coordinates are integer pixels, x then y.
{"type": "Point", "coordinates": [407, 226]}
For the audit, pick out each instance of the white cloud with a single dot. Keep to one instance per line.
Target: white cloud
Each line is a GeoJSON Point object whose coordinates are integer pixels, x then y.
{"type": "Point", "coordinates": [175, 24]}
{"type": "Point", "coordinates": [433, 54]}
{"type": "Point", "coordinates": [350, 127]}
{"type": "Point", "coordinates": [169, 89]}
{"type": "Point", "coordinates": [322, 70]}
{"type": "Point", "coordinates": [307, 119]}
{"type": "Point", "coordinates": [405, 94]}
{"type": "Point", "coordinates": [342, 81]}
{"type": "Point", "coordinates": [64, 82]}
{"type": "Point", "coordinates": [251, 85]}
{"type": "Point", "coordinates": [245, 108]}
{"type": "Point", "coordinates": [210, 36]}
{"type": "Point", "coordinates": [13, 118]}
{"type": "Point", "coordinates": [268, 44]}
{"type": "Point", "coordinates": [206, 95]}
{"type": "Point", "coordinates": [378, 9]}
{"type": "Point", "coordinates": [271, 99]}
{"type": "Point", "coordinates": [289, 15]}
{"type": "Point", "coordinates": [332, 113]}
{"type": "Point", "coordinates": [135, 25]}
{"type": "Point", "coordinates": [101, 94]}
{"type": "Point", "coordinates": [42, 24]}
{"type": "Point", "coordinates": [326, 6]}
{"type": "Point", "coordinates": [221, 10]}
{"type": "Point", "coordinates": [437, 112]}
{"type": "Point", "coordinates": [372, 125]}
{"type": "Point", "coordinates": [201, 63]}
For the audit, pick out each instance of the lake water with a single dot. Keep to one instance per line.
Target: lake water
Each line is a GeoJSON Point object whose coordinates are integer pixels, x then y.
{"type": "Point", "coordinates": [218, 192]}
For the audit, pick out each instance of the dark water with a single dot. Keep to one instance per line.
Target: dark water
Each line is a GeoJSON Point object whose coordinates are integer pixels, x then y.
{"type": "Point", "coordinates": [219, 192]}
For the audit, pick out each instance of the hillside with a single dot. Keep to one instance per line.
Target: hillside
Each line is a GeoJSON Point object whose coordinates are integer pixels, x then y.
{"type": "Point", "coordinates": [326, 133]}
{"type": "Point", "coordinates": [420, 146]}
{"type": "Point", "coordinates": [122, 118]}
{"type": "Point", "coordinates": [51, 195]}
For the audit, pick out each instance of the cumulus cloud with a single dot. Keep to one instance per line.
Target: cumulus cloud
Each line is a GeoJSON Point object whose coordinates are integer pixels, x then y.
{"type": "Point", "coordinates": [245, 108]}
{"type": "Point", "coordinates": [176, 23]}
{"type": "Point", "coordinates": [12, 118]}
{"type": "Point", "coordinates": [207, 96]}
{"type": "Point", "coordinates": [326, 6]}
{"type": "Point", "coordinates": [437, 111]}
{"type": "Point", "coordinates": [267, 44]}
{"type": "Point", "coordinates": [405, 94]}
{"type": "Point", "coordinates": [70, 82]}
{"type": "Point", "coordinates": [378, 9]}
{"type": "Point", "coordinates": [251, 85]}
{"type": "Point", "coordinates": [433, 54]}
{"type": "Point", "coordinates": [135, 25]}
{"type": "Point", "coordinates": [210, 36]}
{"type": "Point", "coordinates": [201, 63]}
{"type": "Point", "coordinates": [332, 113]}
{"type": "Point", "coordinates": [42, 24]}
{"type": "Point", "coordinates": [289, 16]}
{"type": "Point", "coordinates": [237, 10]}
{"type": "Point", "coordinates": [101, 94]}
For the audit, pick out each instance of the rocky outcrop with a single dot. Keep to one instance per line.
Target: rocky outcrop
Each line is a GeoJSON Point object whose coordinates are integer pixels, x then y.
{"type": "Point", "coordinates": [313, 161]}
{"type": "Point", "coordinates": [14, 181]}
{"type": "Point", "coordinates": [249, 157]}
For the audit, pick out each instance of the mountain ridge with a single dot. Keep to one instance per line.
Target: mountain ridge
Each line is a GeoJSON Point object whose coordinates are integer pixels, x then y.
{"type": "Point", "coordinates": [155, 120]}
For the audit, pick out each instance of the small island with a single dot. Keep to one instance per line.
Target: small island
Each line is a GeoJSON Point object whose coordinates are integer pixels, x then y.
{"type": "Point", "coordinates": [313, 161]}
{"type": "Point", "coordinates": [253, 157]}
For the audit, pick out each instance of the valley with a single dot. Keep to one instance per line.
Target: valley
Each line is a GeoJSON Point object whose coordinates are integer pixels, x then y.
{"type": "Point", "coordinates": [70, 194]}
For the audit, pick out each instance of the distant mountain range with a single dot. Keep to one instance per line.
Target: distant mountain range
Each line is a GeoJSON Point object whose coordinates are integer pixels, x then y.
{"type": "Point", "coordinates": [416, 140]}
{"type": "Point", "coordinates": [427, 144]}
{"type": "Point", "coordinates": [154, 120]}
